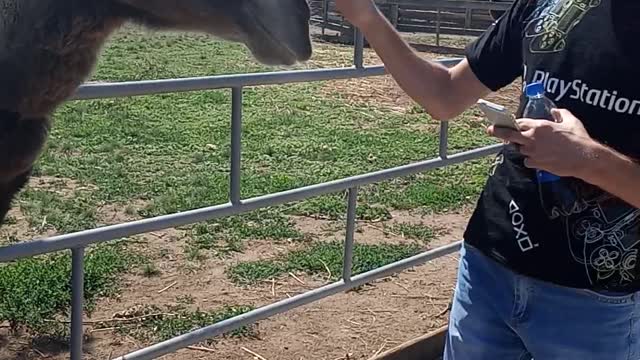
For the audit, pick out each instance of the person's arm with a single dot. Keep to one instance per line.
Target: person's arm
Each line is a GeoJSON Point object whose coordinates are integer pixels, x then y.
{"type": "Point", "coordinates": [492, 61]}
{"type": "Point", "coordinates": [443, 92]}
{"type": "Point", "coordinates": [615, 173]}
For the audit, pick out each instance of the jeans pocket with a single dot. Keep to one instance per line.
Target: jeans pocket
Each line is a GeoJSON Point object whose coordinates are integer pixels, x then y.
{"type": "Point", "coordinates": [609, 297]}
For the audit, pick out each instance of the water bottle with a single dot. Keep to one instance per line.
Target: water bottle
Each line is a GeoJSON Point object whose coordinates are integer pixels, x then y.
{"type": "Point", "coordinates": [555, 192]}
{"type": "Point", "coordinates": [539, 107]}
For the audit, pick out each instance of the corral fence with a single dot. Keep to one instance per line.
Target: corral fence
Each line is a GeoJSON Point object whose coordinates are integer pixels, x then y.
{"type": "Point", "coordinates": [78, 241]}
{"type": "Point", "coordinates": [439, 17]}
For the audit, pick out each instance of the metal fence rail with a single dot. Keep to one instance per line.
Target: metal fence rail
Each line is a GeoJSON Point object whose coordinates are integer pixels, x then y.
{"type": "Point", "coordinates": [78, 241]}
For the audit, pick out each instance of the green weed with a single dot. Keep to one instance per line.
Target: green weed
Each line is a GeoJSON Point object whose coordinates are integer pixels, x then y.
{"type": "Point", "coordinates": [418, 232]}
{"type": "Point", "coordinates": [226, 235]}
{"type": "Point", "coordinates": [163, 324]}
{"type": "Point", "coordinates": [35, 292]}
{"type": "Point", "coordinates": [321, 258]}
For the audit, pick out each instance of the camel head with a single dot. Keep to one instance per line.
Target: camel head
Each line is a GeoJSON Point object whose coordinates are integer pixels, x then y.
{"type": "Point", "coordinates": [275, 31]}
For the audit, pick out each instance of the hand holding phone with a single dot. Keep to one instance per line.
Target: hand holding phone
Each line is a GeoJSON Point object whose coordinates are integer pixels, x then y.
{"type": "Point", "coordinates": [498, 115]}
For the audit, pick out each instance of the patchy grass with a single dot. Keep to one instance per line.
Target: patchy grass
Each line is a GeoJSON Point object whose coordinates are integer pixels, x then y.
{"type": "Point", "coordinates": [321, 258]}
{"type": "Point", "coordinates": [185, 299]}
{"type": "Point", "coordinates": [47, 210]}
{"type": "Point", "coordinates": [35, 291]}
{"type": "Point", "coordinates": [162, 324]}
{"type": "Point", "coordinates": [226, 235]}
{"type": "Point", "coordinates": [418, 232]}
{"type": "Point", "coordinates": [194, 253]}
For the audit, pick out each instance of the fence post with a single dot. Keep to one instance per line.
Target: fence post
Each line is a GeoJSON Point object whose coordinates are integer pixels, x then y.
{"type": "Point", "coordinates": [443, 148]}
{"type": "Point", "coordinates": [325, 15]}
{"type": "Point", "coordinates": [236, 145]}
{"type": "Point", "coordinates": [77, 302]}
{"type": "Point", "coordinates": [467, 20]}
{"type": "Point", "coordinates": [358, 50]}
{"type": "Point", "coordinates": [438, 27]}
{"type": "Point", "coordinates": [394, 13]}
{"type": "Point", "coordinates": [351, 229]}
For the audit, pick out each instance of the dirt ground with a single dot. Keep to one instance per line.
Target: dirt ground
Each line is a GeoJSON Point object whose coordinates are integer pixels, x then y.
{"type": "Point", "coordinates": [353, 325]}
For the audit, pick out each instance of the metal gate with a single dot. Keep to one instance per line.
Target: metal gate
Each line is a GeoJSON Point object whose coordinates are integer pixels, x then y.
{"type": "Point", "coordinates": [236, 205]}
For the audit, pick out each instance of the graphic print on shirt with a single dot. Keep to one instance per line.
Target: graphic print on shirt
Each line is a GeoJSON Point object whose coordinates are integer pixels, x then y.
{"type": "Point", "coordinates": [554, 21]}
{"type": "Point", "coordinates": [497, 161]}
{"type": "Point", "coordinates": [602, 231]}
{"type": "Point", "coordinates": [603, 238]}
{"type": "Point", "coordinates": [562, 89]}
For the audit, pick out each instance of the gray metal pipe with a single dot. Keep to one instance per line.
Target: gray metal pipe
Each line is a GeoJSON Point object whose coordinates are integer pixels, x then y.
{"type": "Point", "coordinates": [107, 233]}
{"type": "Point", "coordinates": [347, 261]}
{"type": "Point", "coordinates": [236, 146]}
{"type": "Point", "coordinates": [149, 87]}
{"type": "Point", "coordinates": [77, 302]}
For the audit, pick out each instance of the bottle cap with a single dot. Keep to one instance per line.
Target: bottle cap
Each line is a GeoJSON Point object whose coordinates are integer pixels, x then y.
{"type": "Point", "coordinates": [534, 89]}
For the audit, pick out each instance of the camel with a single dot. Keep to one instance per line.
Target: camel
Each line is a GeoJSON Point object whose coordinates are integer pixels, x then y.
{"type": "Point", "coordinates": [48, 48]}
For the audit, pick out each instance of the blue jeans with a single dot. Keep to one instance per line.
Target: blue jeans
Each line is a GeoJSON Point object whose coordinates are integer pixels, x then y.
{"type": "Point", "coordinates": [500, 315]}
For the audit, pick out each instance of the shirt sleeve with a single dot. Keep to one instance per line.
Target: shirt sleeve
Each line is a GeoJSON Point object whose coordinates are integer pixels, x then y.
{"type": "Point", "coordinates": [496, 56]}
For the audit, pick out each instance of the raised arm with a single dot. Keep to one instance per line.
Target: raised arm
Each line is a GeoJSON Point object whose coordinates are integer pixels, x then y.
{"type": "Point", "coordinates": [443, 92]}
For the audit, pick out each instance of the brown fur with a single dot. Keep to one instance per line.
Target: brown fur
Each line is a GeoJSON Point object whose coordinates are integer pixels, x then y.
{"type": "Point", "coordinates": [48, 48]}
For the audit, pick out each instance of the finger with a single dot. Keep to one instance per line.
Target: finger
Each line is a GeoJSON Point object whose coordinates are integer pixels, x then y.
{"type": "Point", "coordinates": [527, 124]}
{"type": "Point", "coordinates": [561, 115]}
{"type": "Point", "coordinates": [489, 130]}
{"type": "Point", "coordinates": [509, 135]}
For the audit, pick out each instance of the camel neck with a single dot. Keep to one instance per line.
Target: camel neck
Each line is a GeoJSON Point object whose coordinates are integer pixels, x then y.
{"type": "Point", "coordinates": [48, 49]}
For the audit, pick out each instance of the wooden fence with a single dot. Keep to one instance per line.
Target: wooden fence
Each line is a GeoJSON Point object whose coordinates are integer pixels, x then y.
{"type": "Point", "coordinates": [451, 17]}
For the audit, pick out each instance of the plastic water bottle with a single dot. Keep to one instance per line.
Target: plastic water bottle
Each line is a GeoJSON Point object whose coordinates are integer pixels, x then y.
{"type": "Point", "coordinates": [556, 193]}
{"type": "Point", "coordinates": [539, 107]}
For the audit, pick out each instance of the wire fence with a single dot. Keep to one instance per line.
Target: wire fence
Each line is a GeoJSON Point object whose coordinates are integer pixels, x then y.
{"type": "Point", "coordinates": [78, 241]}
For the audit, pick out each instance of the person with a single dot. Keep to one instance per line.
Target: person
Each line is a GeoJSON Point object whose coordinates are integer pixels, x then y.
{"type": "Point", "coordinates": [538, 277]}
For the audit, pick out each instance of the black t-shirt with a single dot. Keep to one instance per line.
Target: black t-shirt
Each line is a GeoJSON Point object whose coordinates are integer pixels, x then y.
{"type": "Point", "coordinates": [585, 53]}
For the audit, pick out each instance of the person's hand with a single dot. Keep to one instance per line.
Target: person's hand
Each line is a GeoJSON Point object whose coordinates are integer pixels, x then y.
{"type": "Point", "coordinates": [563, 148]}
{"type": "Point", "coordinates": [357, 12]}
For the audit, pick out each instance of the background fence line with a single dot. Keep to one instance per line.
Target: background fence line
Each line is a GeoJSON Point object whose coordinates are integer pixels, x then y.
{"type": "Point", "coordinates": [439, 17]}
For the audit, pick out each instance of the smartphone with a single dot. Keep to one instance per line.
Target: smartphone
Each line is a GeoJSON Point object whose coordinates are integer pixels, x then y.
{"type": "Point", "coordinates": [498, 115]}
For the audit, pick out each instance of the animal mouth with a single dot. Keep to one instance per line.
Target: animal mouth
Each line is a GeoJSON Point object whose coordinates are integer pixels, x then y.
{"type": "Point", "coordinates": [270, 49]}
{"type": "Point", "coordinates": [277, 44]}
{"type": "Point", "coordinates": [271, 52]}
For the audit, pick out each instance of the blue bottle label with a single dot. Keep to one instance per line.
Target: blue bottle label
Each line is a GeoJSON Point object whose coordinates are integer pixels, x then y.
{"type": "Point", "coordinates": [544, 176]}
